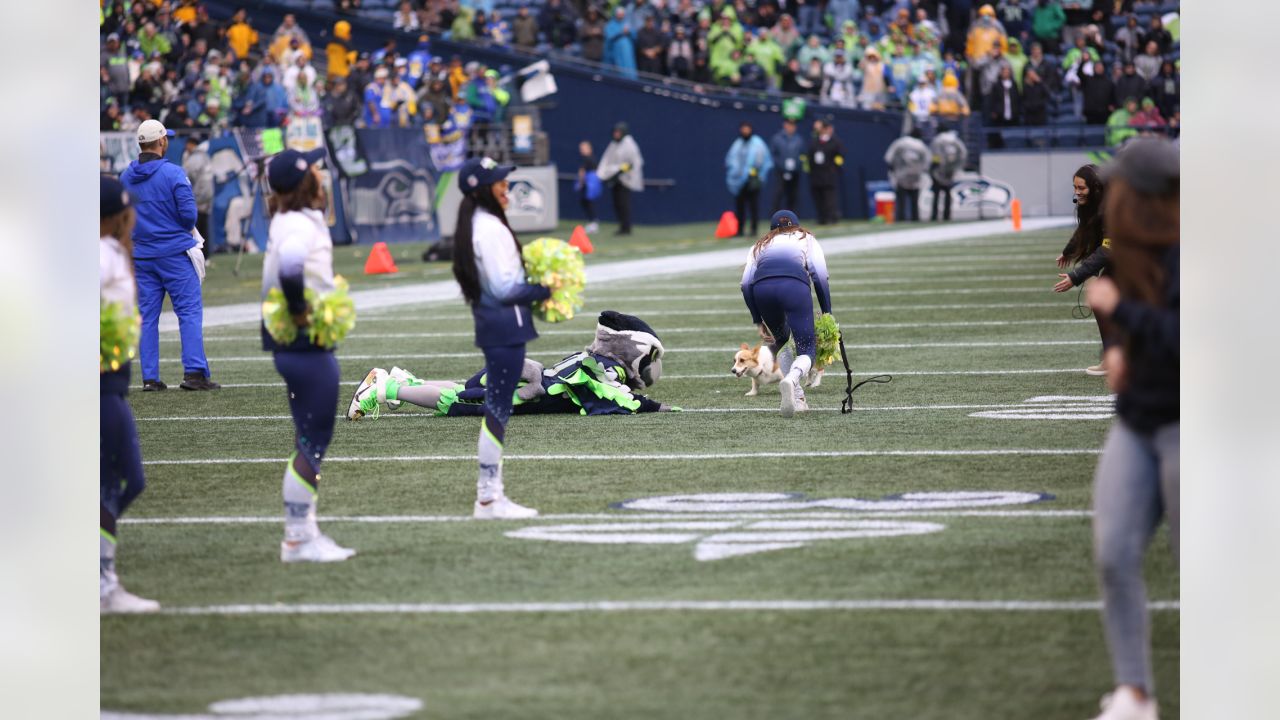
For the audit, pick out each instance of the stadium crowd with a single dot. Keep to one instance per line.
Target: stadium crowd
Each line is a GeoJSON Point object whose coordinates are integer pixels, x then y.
{"type": "Point", "coordinates": [1102, 62]}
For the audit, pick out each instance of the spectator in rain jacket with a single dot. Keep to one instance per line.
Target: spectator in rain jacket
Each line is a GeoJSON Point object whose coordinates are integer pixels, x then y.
{"type": "Point", "coordinates": [620, 48]}
{"type": "Point", "coordinates": [747, 166]}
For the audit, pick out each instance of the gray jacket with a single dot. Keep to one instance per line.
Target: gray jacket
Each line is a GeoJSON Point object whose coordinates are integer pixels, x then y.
{"type": "Point", "coordinates": [199, 169]}
{"type": "Point", "coordinates": [949, 155]}
{"type": "Point", "coordinates": [908, 160]}
{"type": "Point", "coordinates": [620, 153]}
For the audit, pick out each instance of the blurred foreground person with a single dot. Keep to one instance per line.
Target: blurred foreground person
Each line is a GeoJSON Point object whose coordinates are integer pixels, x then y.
{"type": "Point", "coordinates": [1137, 477]}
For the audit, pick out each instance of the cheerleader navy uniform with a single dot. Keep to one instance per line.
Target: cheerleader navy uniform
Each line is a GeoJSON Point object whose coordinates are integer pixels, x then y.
{"type": "Point", "coordinates": [299, 257]}
{"type": "Point", "coordinates": [120, 456]}
{"type": "Point", "coordinates": [775, 285]}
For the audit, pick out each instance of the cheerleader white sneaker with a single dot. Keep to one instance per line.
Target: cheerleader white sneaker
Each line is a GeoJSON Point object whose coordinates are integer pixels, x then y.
{"type": "Point", "coordinates": [116, 599]}
{"type": "Point", "coordinates": [1098, 370]}
{"type": "Point", "coordinates": [365, 400]}
{"type": "Point", "coordinates": [1124, 704]}
{"type": "Point", "coordinates": [503, 508]}
{"type": "Point", "coordinates": [787, 389]}
{"type": "Point", "coordinates": [802, 405]}
{"type": "Point", "coordinates": [320, 548]}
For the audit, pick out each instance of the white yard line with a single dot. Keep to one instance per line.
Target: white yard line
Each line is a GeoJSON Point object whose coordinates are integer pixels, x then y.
{"type": "Point", "coordinates": [428, 519]}
{"type": "Point", "coordinates": [605, 606]}
{"type": "Point", "coordinates": [665, 331]}
{"type": "Point", "coordinates": [895, 408]}
{"type": "Point", "coordinates": [447, 290]}
{"type": "Point", "coordinates": [727, 376]}
{"type": "Point", "coordinates": [608, 457]}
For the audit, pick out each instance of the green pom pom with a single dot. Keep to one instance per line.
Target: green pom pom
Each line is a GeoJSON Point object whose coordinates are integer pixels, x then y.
{"type": "Point", "coordinates": [828, 333]}
{"type": "Point", "coordinates": [559, 266]}
{"type": "Point", "coordinates": [329, 317]}
{"type": "Point", "coordinates": [118, 332]}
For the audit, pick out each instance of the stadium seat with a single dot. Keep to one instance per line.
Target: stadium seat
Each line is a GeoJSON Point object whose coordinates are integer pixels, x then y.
{"type": "Point", "coordinates": [1014, 138]}
{"type": "Point", "coordinates": [1094, 136]}
{"type": "Point", "coordinates": [1039, 137]}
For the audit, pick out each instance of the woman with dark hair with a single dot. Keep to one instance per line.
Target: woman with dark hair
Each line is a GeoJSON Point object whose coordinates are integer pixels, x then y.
{"type": "Point", "coordinates": [775, 284]}
{"type": "Point", "coordinates": [1088, 249]}
{"type": "Point", "coordinates": [489, 268]}
{"type": "Point", "coordinates": [299, 258]}
{"type": "Point", "coordinates": [120, 479]}
{"type": "Point", "coordinates": [1137, 479]}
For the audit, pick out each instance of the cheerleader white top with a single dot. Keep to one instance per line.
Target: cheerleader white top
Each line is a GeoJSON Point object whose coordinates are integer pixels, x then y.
{"type": "Point", "coordinates": [115, 275]}
{"type": "Point", "coordinates": [795, 254]}
{"type": "Point", "coordinates": [299, 256]}
{"type": "Point", "coordinates": [502, 315]}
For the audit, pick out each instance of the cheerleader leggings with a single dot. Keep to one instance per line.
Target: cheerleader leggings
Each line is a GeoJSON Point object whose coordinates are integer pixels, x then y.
{"type": "Point", "coordinates": [312, 380]}
{"type": "Point", "coordinates": [786, 307]}
{"type": "Point", "coordinates": [120, 460]}
{"type": "Point", "coordinates": [502, 367]}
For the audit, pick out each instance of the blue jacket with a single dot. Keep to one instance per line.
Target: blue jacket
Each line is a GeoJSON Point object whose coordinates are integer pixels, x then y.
{"type": "Point", "coordinates": [165, 206]}
{"type": "Point", "coordinates": [743, 157]}
{"type": "Point", "coordinates": [786, 148]}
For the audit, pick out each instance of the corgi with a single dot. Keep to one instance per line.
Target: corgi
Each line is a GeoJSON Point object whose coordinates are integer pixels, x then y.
{"type": "Point", "coordinates": [759, 364]}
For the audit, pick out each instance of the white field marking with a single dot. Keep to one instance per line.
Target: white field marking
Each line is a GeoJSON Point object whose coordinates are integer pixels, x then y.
{"type": "Point", "coordinates": [727, 376]}
{"type": "Point", "coordinates": [929, 604]}
{"type": "Point", "coordinates": [872, 408]}
{"type": "Point", "coordinates": [1056, 407]}
{"type": "Point", "coordinates": [756, 502]}
{"type": "Point", "coordinates": [842, 282]}
{"type": "Point", "coordinates": [714, 539]}
{"type": "Point", "coordinates": [417, 317]}
{"type": "Point", "coordinates": [991, 452]}
{"type": "Point", "coordinates": [329, 706]}
{"type": "Point", "coordinates": [713, 331]}
{"type": "Point", "coordinates": [451, 519]}
{"type": "Point", "coordinates": [664, 265]}
{"type": "Point", "coordinates": [266, 357]}
{"type": "Point", "coordinates": [670, 298]}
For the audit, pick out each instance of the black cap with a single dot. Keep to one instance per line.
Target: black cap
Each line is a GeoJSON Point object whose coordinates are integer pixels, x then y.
{"type": "Point", "coordinates": [783, 218]}
{"type": "Point", "coordinates": [114, 198]}
{"type": "Point", "coordinates": [287, 169]}
{"type": "Point", "coordinates": [478, 172]}
{"type": "Point", "coordinates": [1148, 165]}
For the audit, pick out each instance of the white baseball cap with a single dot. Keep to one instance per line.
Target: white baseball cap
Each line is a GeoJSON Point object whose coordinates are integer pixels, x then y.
{"type": "Point", "coordinates": [151, 130]}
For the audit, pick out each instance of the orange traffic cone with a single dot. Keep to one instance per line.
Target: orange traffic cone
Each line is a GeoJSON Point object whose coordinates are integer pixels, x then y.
{"type": "Point", "coordinates": [380, 261]}
{"type": "Point", "coordinates": [580, 240]}
{"type": "Point", "coordinates": [1015, 212]}
{"type": "Point", "coordinates": [728, 226]}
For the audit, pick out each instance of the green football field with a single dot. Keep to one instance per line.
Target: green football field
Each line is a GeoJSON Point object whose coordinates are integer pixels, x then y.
{"type": "Point", "coordinates": [928, 556]}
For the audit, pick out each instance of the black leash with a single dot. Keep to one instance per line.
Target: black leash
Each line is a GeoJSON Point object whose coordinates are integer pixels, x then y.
{"type": "Point", "coordinates": [846, 405]}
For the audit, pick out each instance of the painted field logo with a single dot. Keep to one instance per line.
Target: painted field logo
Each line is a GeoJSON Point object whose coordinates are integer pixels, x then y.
{"type": "Point", "coordinates": [330, 706]}
{"type": "Point", "coordinates": [1056, 407]}
{"type": "Point", "coordinates": [723, 525]}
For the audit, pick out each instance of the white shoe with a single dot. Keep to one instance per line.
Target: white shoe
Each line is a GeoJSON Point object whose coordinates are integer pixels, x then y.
{"type": "Point", "coordinates": [320, 548]}
{"type": "Point", "coordinates": [503, 508]}
{"type": "Point", "coordinates": [787, 388]}
{"type": "Point", "coordinates": [403, 376]}
{"type": "Point", "coordinates": [1123, 704]}
{"type": "Point", "coordinates": [365, 400]}
{"type": "Point", "coordinates": [1096, 370]}
{"type": "Point", "coordinates": [592, 227]}
{"type": "Point", "coordinates": [802, 405]}
{"type": "Point", "coordinates": [119, 600]}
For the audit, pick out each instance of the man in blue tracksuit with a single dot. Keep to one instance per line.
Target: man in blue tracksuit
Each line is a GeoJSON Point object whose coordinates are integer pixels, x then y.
{"type": "Point", "coordinates": [163, 261]}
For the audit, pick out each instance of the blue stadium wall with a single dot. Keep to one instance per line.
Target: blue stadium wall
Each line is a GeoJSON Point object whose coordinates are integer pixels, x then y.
{"type": "Point", "coordinates": [684, 137]}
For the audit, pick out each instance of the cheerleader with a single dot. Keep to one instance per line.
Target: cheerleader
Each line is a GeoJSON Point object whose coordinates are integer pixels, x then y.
{"type": "Point", "coordinates": [120, 478]}
{"type": "Point", "coordinates": [780, 268]}
{"type": "Point", "coordinates": [299, 259]}
{"type": "Point", "coordinates": [488, 266]}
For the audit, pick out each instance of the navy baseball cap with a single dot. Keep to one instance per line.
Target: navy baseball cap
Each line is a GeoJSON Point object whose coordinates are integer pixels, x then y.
{"type": "Point", "coordinates": [114, 198]}
{"type": "Point", "coordinates": [481, 171]}
{"type": "Point", "coordinates": [783, 218]}
{"type": "Point", "coordinates": [286, 169]}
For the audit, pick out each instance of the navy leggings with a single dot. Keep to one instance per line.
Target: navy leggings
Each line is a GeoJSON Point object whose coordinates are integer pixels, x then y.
{"type": "Point", "coordinates": [502, 366]}
{"type": "Point", "coordinates": [786, 307]}
{"type": "Point", "coordinates": [120, 456]}
{"type": "Point", "coordinates": [312, 380]}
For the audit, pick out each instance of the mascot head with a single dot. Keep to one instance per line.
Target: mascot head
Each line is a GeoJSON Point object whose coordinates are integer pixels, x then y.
{"type": "Point", "coordinates": [630, 341]}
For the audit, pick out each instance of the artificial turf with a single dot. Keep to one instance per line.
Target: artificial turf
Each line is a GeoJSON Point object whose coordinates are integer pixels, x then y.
{"type": "Point", "coordinates": [208, 535]}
